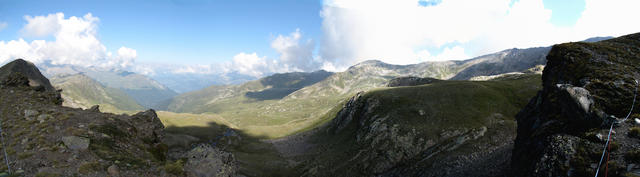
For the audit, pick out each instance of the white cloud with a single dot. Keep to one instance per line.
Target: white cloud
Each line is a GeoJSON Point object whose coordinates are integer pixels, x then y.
{"type": "Point", "coordinates": [42, 26]}
{"type": "Point", "coordinates": [293, 54]}
{"type": "Point", "coordinates": [609, 18]}
{"type": "Point", "coordinates": [3, 25]}
{"type": "Point", "coordinates": [399, 31]}
{"type": "Point", "coordinates": [75, 42]}
{"type": "Point", "coordinates": [249, 64]}
{"type": "Point", "coordinates": [454, 53]}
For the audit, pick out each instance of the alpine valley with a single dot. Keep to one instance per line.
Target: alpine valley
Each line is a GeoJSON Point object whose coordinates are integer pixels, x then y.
{"type": "Point", "coordinates": [541, 111]}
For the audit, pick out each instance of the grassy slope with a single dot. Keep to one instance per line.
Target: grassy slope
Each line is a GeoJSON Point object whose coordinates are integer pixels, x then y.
{"type": "Point", "coordinates": [84, 92]}
{"type": "Point", "coordinates": [259, 117]}
{"type": "Point", "coordinates": [448, 105]}
{"type": "Point", "coordinates": [300, 109]}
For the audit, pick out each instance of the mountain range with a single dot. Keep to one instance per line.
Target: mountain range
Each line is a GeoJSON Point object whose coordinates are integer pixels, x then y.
{"type": "Point", "coordinates": [144, 90]}
{"type": "Point", "coordinates": [269, 107]}
{"type": "Point", "coordinates": [80, 91]}
{"type": "Point", "coordinates": [519, 112]}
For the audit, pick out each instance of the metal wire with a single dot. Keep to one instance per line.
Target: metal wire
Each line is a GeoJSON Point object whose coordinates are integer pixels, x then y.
{"type": "Point", "coordinates": [635, 93]}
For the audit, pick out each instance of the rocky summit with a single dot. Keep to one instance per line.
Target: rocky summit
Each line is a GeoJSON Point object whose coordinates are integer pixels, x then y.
{"type": "Point", "coordinates": [586, 88]}
{"type": "Point", "coordinates": [29, 70]}
{"type": "Point", "coordinates": [40, 137]}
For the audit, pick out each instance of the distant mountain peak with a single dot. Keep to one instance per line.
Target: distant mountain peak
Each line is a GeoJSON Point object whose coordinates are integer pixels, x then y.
{"type": "Point", "coordinates": [597, 39]}
{"type": "Point", "coordinates": [371, 63]}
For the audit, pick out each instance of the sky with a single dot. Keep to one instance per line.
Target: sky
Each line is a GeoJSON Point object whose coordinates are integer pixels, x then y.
{"type": "Point", "coordinates": [257, 37]}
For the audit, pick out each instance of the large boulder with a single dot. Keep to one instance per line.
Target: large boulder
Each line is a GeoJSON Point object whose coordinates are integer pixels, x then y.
{"type": "Point", "coordinates": [149, 122]}
{"type": "Point", "coordinates": [76, 142]}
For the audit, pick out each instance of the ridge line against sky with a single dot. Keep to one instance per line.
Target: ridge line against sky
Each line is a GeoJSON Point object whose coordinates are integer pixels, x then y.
{"type": "Point", "coordinates": [257, 38]}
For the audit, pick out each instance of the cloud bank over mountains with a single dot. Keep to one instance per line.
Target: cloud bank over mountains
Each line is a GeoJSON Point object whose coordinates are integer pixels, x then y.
{"type": "Point", "coordinates": [407, 31]}
{"type": "Point", "coordinates": [397, 32]}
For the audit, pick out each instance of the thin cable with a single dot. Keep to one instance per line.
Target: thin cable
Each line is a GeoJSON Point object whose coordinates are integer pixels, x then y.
{"type": "Point", "coordinates": [604, 150]}
{"type": "Point", "coordinates": [606, 165]}
{"type": "Point", "coordinates": [635, 93]}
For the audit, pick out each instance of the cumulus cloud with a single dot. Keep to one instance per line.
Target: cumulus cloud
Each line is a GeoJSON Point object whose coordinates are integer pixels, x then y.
{"type": "Point", "coordinates": [249, 64]}
{"type": "Point", "coordinates": [294, 54]}
{"type": "Point", "coordinates": [75, 42]}
{"type": "Point", "coordinates": [400, 31]}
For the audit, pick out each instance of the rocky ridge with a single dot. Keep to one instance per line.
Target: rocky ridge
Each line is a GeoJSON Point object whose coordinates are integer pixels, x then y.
{"type": "Point", "coordinates": [43, 138]}
{"type": "Point", "coordinates": [586, 88]}
{"type": "Point", "coordinates": [373, 136]}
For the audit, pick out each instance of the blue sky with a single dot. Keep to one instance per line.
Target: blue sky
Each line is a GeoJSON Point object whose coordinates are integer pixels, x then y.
{"type": "Point", "coordinates": [195, 32]}
{"type": "Point", "coordinates": [257, 37]}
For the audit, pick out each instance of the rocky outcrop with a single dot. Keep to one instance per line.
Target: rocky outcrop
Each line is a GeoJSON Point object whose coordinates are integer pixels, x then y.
{"type": "Point", "coordinates": [76, 142]}
{"type": "Point", "coordinates": [27, 69]}
{"type": "Point", "coordinates": [43, 138]}
{"type": "Point", "coordinates": [410, 81]}
{"type": "Point", "coordinates": [205, 161]}
{"type": "Point", "coordinates": [586, 88]}
{"type": "Point", "coordinates": [425, 130]}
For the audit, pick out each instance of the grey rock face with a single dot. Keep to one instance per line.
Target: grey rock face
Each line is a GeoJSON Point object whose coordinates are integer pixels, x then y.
{"type": "Point", "coordinates": [94, 108]}
{"type": "Point", "coordinates": [580, 96]}
{"type": "Point", "coordinates": [75, 142]}
{"type": "Point", "coordinates": [562, 130]}
{"type": "Point", "coordinates": [29, 114]}
{"type": "Point", "coordinates": [149, 121]}
{"type": "Point", "coordinates": [206, 161]}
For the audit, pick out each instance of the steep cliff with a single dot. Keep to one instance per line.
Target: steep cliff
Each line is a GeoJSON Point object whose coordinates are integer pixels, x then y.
{"type": "Point", "coordinates": [586, 87]}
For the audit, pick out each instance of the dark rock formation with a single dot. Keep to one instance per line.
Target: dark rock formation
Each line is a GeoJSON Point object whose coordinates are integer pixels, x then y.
{"type": "Point", "coordinates": [586, 87]}
{"type": "Point", "coordinates": [27, 69]}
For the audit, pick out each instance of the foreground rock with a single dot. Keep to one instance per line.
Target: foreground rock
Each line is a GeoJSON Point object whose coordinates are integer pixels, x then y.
{"type": "Point", "coordinates": [204, 161]}
{"type": "Point", "coordinates": [586, 87]}
{"type": "Point", "coordinates": [43, 138]}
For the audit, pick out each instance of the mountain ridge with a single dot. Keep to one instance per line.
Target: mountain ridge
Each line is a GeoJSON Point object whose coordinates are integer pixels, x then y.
{"type": "Point", "coordinates": [81, 91]}
{"type": "Point", "coordinates": [144, 90]}
{"type": "Point", "coordinates": [586, 88]}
